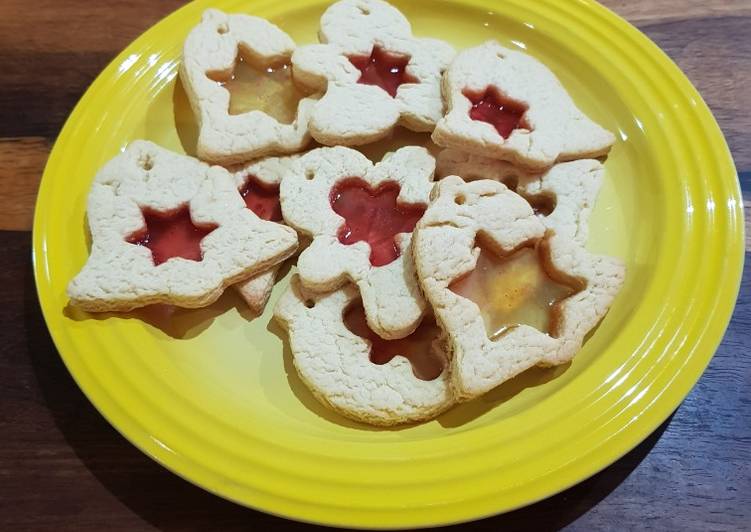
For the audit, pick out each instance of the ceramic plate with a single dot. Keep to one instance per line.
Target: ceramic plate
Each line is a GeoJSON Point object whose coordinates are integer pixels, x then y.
{"type": "Point", "coordinates": [213, 396]}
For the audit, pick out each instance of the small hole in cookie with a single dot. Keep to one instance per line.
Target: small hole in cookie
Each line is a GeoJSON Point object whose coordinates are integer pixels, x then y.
{"type": "Point", "coordinates": [222, 29]}
{"type": "Point", "coordinates": [461, 199]}
{"type": "Point", "coordinates": [364, 10]}
{"type": "Point", "coordinates": [147, 163]}
{"type": "Point", "coordinates": [309, 174]}
{"type": "Point", "coordinates": [310, 303]}
{"type": "Point", "coordinates": [500, 55]}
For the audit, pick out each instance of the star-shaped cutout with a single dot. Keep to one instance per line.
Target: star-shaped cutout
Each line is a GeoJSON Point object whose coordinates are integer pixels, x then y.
{"type": "Point", "coordinates": [262, 199]}
{"type": "Point", "coordinates": [490, 106]}
{"type": "Point", "coordinates": [383, 69]}
{"type": "Point", "coordinates": [268, 89]}
{"type": "Point", "coordinates": [169, 235]}
{"type": "Point", "coordinates": [426, 364]}
{"type": "Point", "coordinates": [373, 216]}
{"type": "Point", "coordinates": [515, 290]}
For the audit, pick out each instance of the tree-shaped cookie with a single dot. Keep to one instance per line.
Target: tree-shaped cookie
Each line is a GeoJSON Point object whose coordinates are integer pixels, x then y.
{"type": "Point", "coordinates": [562, 196]}
{"type": "Point", "coordinates": [360, 217]}
{"type": "Point", "coordinates": [375, 74]}
{"type": "Point", "coordinates": [508, 293]}
{"type": "Point", "coordinates": [258, 183]}
{"type": "Point", "coordinates": [506, 105]}
{"type": "Point", "coordinates": [167, 228]}
{"type": "Point", "coordinates": [353, 371]}
{"type": "Point", "coordinates": [215, 53]}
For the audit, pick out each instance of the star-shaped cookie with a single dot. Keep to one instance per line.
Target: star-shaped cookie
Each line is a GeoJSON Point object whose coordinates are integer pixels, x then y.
{"type": "Point", "coordinates": [167, 228]}
{"type": "Point", "coordinates": [373, 72]}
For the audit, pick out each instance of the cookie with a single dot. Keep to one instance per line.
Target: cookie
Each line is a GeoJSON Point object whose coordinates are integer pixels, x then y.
{"type": "Point", "coordinates": [541, 278]}
{"type": "Point", "coordinates": [360, 217]}
{"type": "Point", "coordinates": [258, 183]}
{"type": "Point", "coordinates": [335, 359]}
{"type": "Point", "coordinates": [213, 51]}
{"type": "Point", "coordinates": [167, 228]}
{"type": "Point", "coordinates": [562, 196]}
{"type": "Point", "coordinates": [373, 72]}
{"type": "Point", "coordinates": [506, 105]}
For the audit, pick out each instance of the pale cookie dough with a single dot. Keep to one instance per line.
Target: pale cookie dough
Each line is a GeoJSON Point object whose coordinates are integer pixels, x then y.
{"type": "Point", "coordinates": [552, 129]}
{"type": "Point", "coordinates": [444, 247]}
{"type": "Point", "coordinates": [570, 188]}
{"type": "Point", "coordinates": [269, 171]}
{"type": "Point", "coordinates": [392, 300]}
{"type": "Point", "coordinates": [121, 276]}
{"type": "Point", "coordinates": [212, 48]}
{"type": "Point", "coordinates": [334, 363]}
{"type": "Point", "coordinates": [352, 113]}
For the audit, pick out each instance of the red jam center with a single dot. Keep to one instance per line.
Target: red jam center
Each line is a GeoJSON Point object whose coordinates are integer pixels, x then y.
{"type": "Point", "coordinates": [383, 69]}
{"type": "Point", "coordinates": [170, 235]}
{"type": "Point", "coordinates": [373, 216]}
{"type": "Point", "coordinates": [503, 114]}
{"type": "Point", "coordinates": [514, 290]}
{"type": "Point", "coordinates": [262, 199]}
{"type": "Point", "coordinates": [426, 364]}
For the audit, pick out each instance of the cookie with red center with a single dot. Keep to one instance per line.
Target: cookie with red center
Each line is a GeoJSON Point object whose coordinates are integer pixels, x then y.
{"type": "Point", "coordinates": [212, 54]}
{"type": "Point", "coordinates": [509, 293]}
{"type": "Point", "coordinates": [360, 217]}
{"type": "Point", "coordinates": [373, 72]}
{"type": "Point", "coordinates": [352, 370]}
{"type": "Point", "coordinates": [505, 104]}
{"type": "Point", "coordinates": [258, 183]}
{"type": "Point", "coordinates": [167, 228]}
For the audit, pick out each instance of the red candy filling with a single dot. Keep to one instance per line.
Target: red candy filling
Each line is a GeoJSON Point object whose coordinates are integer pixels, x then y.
{"type": "Point", "coordinates": [383, 69]}
{"type": "Point", "coordinates": [490, 106]}
{"type": "Point", "coordinates": [373, 216]}
{"type": "Point", "coordinates": [262, 199]}
{"type": "Point", "coordinates": [416, 347]}
{"type": "Point", "coordinates": [171, 234]}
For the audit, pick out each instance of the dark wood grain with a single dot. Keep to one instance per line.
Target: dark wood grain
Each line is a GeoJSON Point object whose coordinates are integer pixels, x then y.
{"type": "Point", "coordinates": [63, 467]}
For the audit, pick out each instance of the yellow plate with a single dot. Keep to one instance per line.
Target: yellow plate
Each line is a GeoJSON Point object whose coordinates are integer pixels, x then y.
{"type": "Point", "coordinates": [214, 397]}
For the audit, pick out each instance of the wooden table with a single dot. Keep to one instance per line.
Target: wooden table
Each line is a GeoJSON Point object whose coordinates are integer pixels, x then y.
{"type": "Point", "coordinates": [62, 466]}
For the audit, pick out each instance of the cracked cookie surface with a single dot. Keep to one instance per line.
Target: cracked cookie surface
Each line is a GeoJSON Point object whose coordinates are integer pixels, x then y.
{"type": "Point", "coordinates": [334, 362]}
{"type": "Point", "coordinates": [562, 196]}
{"type": "Point", "coordinates": [264, 173]}
{"type": "Point", "coordinates": [391, 298]}
{"type": "Point", "coordinates": [364, 99]}
{"type": "Point", "coordinates": [506, 105]}
{"type": "Point", "coordinates": [445, 248]}
{"type": "Point", "coordinates": [211, 53]}
{"type": "Point", "coordinates": [149, 180]}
